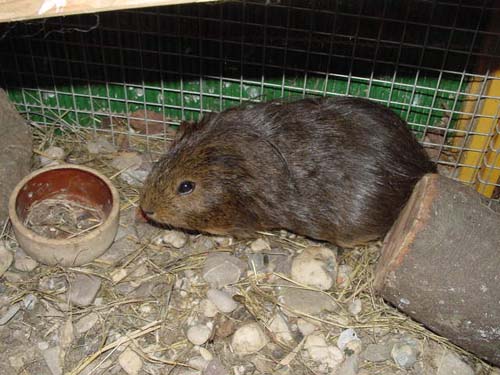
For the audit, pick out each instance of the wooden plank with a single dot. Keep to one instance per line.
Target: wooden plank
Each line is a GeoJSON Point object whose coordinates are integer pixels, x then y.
{"type": "Point", "coordinates": [18, 10]}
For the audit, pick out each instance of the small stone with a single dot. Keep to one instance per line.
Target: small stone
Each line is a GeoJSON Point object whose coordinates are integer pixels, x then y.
{"type": "Point", "coordinates": [222, 269]}
{"type": "Point", "coordinates": [223, 241]}
{"type": "Point", "coordinates": [52, 154]}
{"type": "Point", "coordinates": [225, 327]}
{"type": "Point", "coordinates": [6, 258]}
{"type": "Point", "coordinates": [29, 301]}
{"type": "Point", "coordinates": [257, 263]}
{"type": "Point", "coordinates": [259, 245]}
{"type": "Point", "coordinates": [344, 276]}
{"type": "Point", "coordinates": [248, 339]}
{"type": "Point", "coordinates": [305, 301]}
{"type": "Point", "coordinates": [321, 352]}
{"type": "Point", "coordinates": [206, 354]}
{"type": "Point", "coordinates": [346, 337]}
{"type": "Point", "coordinates": [53, 360]}
{"type": "Point", "coordinates": [355, 306]}
{"type": "Point", "coordinates": [130, 362]}
{"type": "Point", "coordinates": [10, 313]}
{"type": "Point", "coordinates": [66, 335]}
{"type": "Point", "coordinates": [199, 334]}
{"type": "Point", "coordinates": [305, 327]}
{"type": "Point", "coordinates": [43, 345]}
{"type": "Point", "coordinates": [215, 367]}
{"type": "Point", "coordinates": [118, 275]}
{"type": "Point", "coordinates": [451, 364]}
{"type": "Point", "coordinates": [174, 238]}
{"type": "Point", "coordinates": [100, 146]}
{"type": "Point", "coordinates": [86, 323]}
{"type": "Point", "coordinates": [198, 363]}
{"type": "Point", "coordinates": [280, 328]}
{"type": "Point", "coordinates": [222, 300]}
{"type": "Point", "coordinates": [24, 263]}
{"type": "Point", "coordinates": [350, 366]}
{"type": "Point", "coordinates": [378, 352]}
{"type": "Point", "coordinates": [404, 355]}
{"type": "Point", "coordinates": [83, 289]}
{"type": "Point", "coordinates": [127, 160]}
{"type": "Point", "coordinates": [315, 267]}
{"type": "Point", "coordinates": [209, 309]}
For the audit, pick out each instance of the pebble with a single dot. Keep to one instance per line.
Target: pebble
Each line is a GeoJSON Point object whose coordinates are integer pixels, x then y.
{"type": "Point", "coordinates": [222, 269]}
{"type": "Point", "coordinates": [174, 238]}
{"type": "Point", "coordinates": [316, 267]}
{"type": "Point", "coordinates": [321, 352]}
{"type": "Point", "coordinates": [130, 362]}
{"type": "Point", "coordinates": [279, 326]}
{"type": "Point", "coordinates": [198, 363]}
{"type": "Point", "coordinates": [222, 241]}
{"type": "Point", "coordinates": [378, 352]}
{"type": "Point", "coordinates": [305, 327]}
{"type": "Point", "coordinates": [215, 367]}
{"type": "Point", "coordinates": [451, 364]}
{"type": "Point", "coordinates": [259, 245]}
{"type": "Point", "coordinates": [53, 360]}
{"type": "Point", "coordinates": [199, 334]}
{"type": "Point", "coordinates": [100, 146]}
{"type": "Point", "coordinates": [86, 323]}
{"type": "Point", "coordinates": [304, 301]}
{"type": "Point", "coordinates": [127, 160]}
{"type": "Point", "coordinates": [222, 300]}
{"type": "Point", "coordinates": [205, 354]}
{"type": "Point", "coordinates": [83, 289]}
{"type": "Point", "coordinates": [346, 337]}
{"type": "Point", "coordinates": [209, 309]}
{"type": "Point", "coordinates": [10, 313]}
{"type": "Point", "coordinates": [248, 339]}
{"type": "Point", "coordinates": [51, 155]}
{"type": "Point", "coordinates": [355, 306]}
{"type": "Point", "coordinates": [350, 366]}
{"type": "Point", "coordinates": [43, 345]}
{"type": "Point", "coordinates": [6, 258]}
{"type": "Point", "coordinates": [404, 355]}
{"type": "Point", "coordinates": [344, 276]}
{"type": "Point", "coordinates": [23, 262]}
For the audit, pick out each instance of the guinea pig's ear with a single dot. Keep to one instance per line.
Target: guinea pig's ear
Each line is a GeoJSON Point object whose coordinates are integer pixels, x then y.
{"type": "Point", "coordinates": [185, 129]}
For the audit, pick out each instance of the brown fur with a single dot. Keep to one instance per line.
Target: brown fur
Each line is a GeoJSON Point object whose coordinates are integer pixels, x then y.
{"type": "Point", "coordinates": [337, 169]}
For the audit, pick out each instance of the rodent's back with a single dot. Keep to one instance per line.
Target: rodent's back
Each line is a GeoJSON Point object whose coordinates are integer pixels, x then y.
{"type": "Point", "coordinates": [336, 169]}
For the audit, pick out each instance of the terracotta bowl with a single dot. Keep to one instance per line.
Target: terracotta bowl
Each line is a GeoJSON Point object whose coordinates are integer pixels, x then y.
{"type": "Point", "coordinates": [81, 184]}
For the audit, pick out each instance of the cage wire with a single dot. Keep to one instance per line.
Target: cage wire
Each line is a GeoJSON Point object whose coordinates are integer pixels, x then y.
{"type": "Point", "coordinates": [435, 63]}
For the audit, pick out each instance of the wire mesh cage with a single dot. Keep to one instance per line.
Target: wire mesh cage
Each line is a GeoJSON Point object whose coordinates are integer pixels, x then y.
{"type": "Point", "coordinates": [436, 63]}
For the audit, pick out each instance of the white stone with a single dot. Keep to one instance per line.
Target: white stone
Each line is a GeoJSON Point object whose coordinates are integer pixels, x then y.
{"type": "Point", "coordinates": [53, 360]}
{"type": "Point", "coordinates": [404, 355]}
{"type": "Point", "coordinates": [199, 334]}
{"type": "Point", "coordinates": [280, 328]}
{"type": "Point", "coordinates": [207, 356]}
{"type": "Point", "coordinates": [305, 327]}
{"type": "Point", "coordinates": [23, 262]}
{"type": "Point", "coordinates": [248, 339]}
{"type": "Point", "coordinates": [344, 276]}
{"type": "Point", "coordinates": [321, 352]}
{"type": "Point", "coordinates": [6, 258]}
{"type": "Point", "coordinates": [52, 154]}
{"type": "Point", "coordinates": [83, 289]}
{"type": "Point", "coordinates": [450, 364]}
{"type": "Point", "coordinates": [130, 362]}
{"type": "Point", "coordinates": [259, 245]}
{"type": "Point", "coordinates": [346, 337]}
{"type": "Point", "coordinates": [198, 363]}
{"type": "Point", "coordinates": [355, 306]}
{"type": "Point", "coordinates": [316, 267]}
{"type": "Point", "coordinates": [222, 269]}
{"type": "Point", "coordinates": [174, 238]}
{"type": "Point", "coordinates": [86, 322]}
{"type": "Point", "coordinates": [209, 309]}
{"type": "Point", "coordinates": [378, 352]}
{"type": "Point", "coordinates": [43, 345]}
{"type": "Point", "coordinates": [222, 300]}
{"type": "Point", "coordinates": [100, 145]}
{"type": "Point", "coordinates": [10, 313]}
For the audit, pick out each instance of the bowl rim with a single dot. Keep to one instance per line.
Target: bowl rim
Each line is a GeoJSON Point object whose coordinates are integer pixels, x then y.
{"type": "Point", "coordinates": [108, 223]}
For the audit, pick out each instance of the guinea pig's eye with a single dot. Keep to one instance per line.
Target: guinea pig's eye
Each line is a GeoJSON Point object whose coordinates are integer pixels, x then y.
{"type": "Point", "coordinates": [185, 187]}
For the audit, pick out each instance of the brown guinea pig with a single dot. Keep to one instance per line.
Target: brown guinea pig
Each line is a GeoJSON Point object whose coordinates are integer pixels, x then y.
{"type": "Point", "coordinates": [333, 169]}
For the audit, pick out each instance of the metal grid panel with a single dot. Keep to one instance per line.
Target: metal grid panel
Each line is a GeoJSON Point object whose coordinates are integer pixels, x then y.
{"type": "Point", "coordinates": [433, 62]}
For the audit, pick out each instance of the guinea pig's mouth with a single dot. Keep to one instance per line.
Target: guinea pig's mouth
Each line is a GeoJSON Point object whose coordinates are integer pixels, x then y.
{"type": "Point", "coordinates": [150, 218]}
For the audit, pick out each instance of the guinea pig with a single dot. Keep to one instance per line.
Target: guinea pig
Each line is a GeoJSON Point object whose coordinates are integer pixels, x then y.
{"type": "Point", "coordinates": [334, 169]}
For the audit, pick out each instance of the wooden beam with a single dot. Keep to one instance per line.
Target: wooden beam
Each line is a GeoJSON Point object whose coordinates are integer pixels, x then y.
{"type": "Point", "coordinates": [19, 10]}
